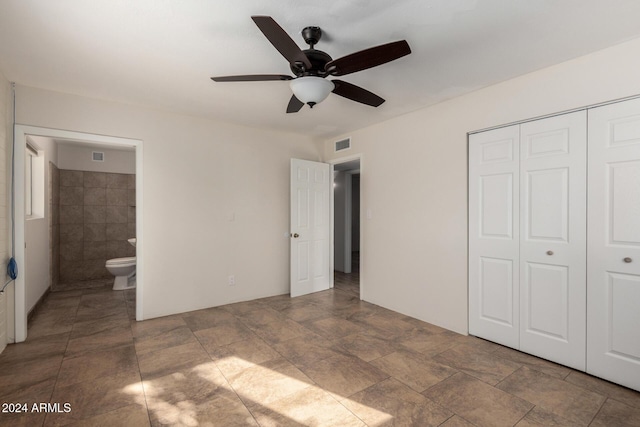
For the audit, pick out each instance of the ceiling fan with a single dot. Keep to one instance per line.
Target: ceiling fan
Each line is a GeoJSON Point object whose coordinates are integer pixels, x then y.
{"type": "Point", "coordinates": [312, 66]}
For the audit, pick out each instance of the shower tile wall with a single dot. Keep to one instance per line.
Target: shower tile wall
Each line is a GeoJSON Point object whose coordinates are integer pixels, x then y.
{"type": "Point", "coordinates": [97, 216]}
{"type": "Point", "coordinates": [54, 225]}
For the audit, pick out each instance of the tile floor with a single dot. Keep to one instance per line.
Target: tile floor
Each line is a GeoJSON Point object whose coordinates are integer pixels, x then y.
{"type": "Point", "coordinates": [325, 359]}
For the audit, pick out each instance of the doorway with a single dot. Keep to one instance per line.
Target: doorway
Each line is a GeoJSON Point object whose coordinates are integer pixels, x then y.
{"type": "Point", "coordinates": [24, 295]}
{"type": "Point", "coordinates": [346, 209]}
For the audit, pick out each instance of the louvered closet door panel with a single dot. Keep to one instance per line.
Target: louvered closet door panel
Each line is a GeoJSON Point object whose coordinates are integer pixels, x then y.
{"type": "Point", "coordinates": [553, 238]}
{"type": "Point", "coordinates": [493, 235]}
{"type": "Point", "coordinates": [613, 340]}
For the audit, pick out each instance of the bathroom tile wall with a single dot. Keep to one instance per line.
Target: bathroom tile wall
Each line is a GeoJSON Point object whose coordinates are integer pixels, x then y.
{"type": "Point", "coordinates": [54, 224]}
{"type": "Point", "coordinates": [97, 216]}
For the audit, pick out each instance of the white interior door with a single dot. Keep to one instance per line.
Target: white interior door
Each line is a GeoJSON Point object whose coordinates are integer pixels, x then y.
{"type": "Point", "coordinates": [553, 238]}
{"type": "Point", "coordinates": [310, 227]}
{"type": "Point", "coordinates": [494, 235]}
{"type": "Point", "coordinates": [613, 273]}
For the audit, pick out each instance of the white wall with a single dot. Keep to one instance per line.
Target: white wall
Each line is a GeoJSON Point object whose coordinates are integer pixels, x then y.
{"type": "Point", "coordinates": [79, 158]}
{"type": "Point", "coordinates": [6, 120]}
{"type": "Point", "coordinates": [415, 180]}
{"type": "Point", "coordinates": [198, 175]}
{"type": "Point", "coordinates": [37, 233]}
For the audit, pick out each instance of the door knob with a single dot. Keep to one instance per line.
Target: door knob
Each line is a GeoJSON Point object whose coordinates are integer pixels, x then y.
{"type": "Point", "coordinates": [296, 235]}
{"type": "Point", "coordinates": [627, 260]}
{"type": "Point", "coordinates": [549, 252]}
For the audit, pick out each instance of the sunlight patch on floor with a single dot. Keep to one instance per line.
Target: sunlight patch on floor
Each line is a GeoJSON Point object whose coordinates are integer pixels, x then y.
{"type": "Point", "coordinates": [275, 395]}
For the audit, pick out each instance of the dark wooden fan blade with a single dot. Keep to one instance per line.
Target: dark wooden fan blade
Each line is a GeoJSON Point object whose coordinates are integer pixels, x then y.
{"type": "Point", "coordinates": [368, 58]}
{"type": "Point", "coordinates": [252, 78]}
{"type": "Point", "coordinates": [281, 40]}
{"type": "Point", "coordinates": [356, 93]}
{"type": "Point", "coordinates": [294, 105]}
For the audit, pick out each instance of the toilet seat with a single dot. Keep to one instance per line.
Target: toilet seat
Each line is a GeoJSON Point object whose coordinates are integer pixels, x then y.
{"type": "Point", "coordinates": [121, 262]}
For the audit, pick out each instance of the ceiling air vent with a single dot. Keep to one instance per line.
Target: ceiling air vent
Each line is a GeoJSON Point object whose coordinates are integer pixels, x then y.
{"type": "Point", "coordinates": [343, 144]}
{"type": "Point", "coordinates": [97, 156]}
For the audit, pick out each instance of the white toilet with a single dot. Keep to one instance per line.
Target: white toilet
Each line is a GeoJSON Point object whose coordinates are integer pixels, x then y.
{"type": "Point", "coordinates": [124, 269]}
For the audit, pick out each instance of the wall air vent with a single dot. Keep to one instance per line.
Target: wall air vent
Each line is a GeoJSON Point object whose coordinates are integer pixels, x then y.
{"type": "Point", "coordinates": [343, 144]}
{"type": "Point", "coordinates": [97, 156]}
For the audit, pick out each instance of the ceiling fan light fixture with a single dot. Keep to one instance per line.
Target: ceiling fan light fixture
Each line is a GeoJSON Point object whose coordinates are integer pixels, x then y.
{"type": "Point", "coordinates": [311, 90]}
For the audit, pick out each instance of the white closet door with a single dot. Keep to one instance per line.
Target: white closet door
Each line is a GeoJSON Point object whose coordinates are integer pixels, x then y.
{"type": "Point", "coordinates": [493, 235]}
{"type": "Point", "coordinates": [613, 341]}
{"type": "Point", "coordinates": [553, 238]}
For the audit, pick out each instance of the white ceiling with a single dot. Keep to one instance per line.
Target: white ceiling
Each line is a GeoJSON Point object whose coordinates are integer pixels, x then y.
{"type": "Point", "coordinates": [161, 53]}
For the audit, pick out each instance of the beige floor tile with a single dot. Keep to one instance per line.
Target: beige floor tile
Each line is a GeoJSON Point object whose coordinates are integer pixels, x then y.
{"type": "Point", "coordinates": [227, 333]}
{"type": "Point", "coordinates": [311, 406]}
{"type": "Point", "coordinates": [471, 343]}
{"type": "Point", "coordinates": [367, 346]}
{"type": "Point", "coordinates": [97, 364]}
{"type": "Point", "coordinates": [133, 415]}
{"type": "Point", "coordinates": [98, 305]}
{"type": "Point", "coordinates": [333, 328]}
{"type": "Point", "coordinates": [428, 343]}
{"type": "Point", "coordinates": [344, 375]}
{"type": "Point", "coordinates": [35, 393]}
{"type": "Point", "coordinates": [354, 310]}
{"type": "Point", "coordinates": [605, 388]}
{"type": "Point", "coordinates": [425, 326]}
{"type": "Point", "coordinates": [221, 410]}
{"type": "Point", "coordinates": [413, 369]}
{"type": "Point", "coordinates": [196, 383]}
{"type": "Point", "coordinates": [89, 314]}
{"type": "Point", "coordinates": [457, 421]}
{"type": "Point", "coordinates": [90, 327]}
{"type": "Point", "coordinates": [614, 413]}
{"type": "Point", "coordinates": [307, 350]}
{"type": "Point", "coordinates": [178, 336]}
{"type": "Point", "coordinates": [28, 419]}
{"type": "Point", "coordinates": [532, 362]}
{"type": "Point", "coordinates": [95, 397]}
{"type": "Point", "coordinates": [284, 373]}
{"type": "Point", "coordinates": [168, 360]}
{"type": "Point", "coordinates": [269, 381]}
{"type": "Point", "coordinates": [28, 373]}
{"type": "Point", "coordinates": [34, 348]}
{"type": "Point", "coordinates": [539, 417]}
{"type": "Point", "coordinates": [157, 326]}
{"type": "Point", "coordinates": [261, 317]}
{"type": "Point", "coordinates": [391, 403]}
{"type": "Point", "coordinates": [240, 308]}
{"type": "Point", "coordinates": [236, 357]}
{"type": "Point", "coordinates": [305, 312]}
{"type": "Point", "coordinates": [391, 327]}
{"type": "Point", "coordinates": [478, 402]}
{"type": "Point", "coordinates": [52, 322]}
{"type": "Point", "coordinates": [554, 395]}
{"type": "Point", "coordinates": [280, 302]}
{"type": "Point", "coordinates": [103, 340]}
{"type": "Point", "coordinates": [281, 330]}
{"type": "Point", "coordinates": [484, 366]}
{"type": "Point", "coordinates": [207, 318]}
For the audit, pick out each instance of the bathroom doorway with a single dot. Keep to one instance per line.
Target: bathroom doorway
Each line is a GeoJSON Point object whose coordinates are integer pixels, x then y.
{"type": "Point", "coordinates": [346, 208]}
{"type": "Point", "coordinates": [93, 206]}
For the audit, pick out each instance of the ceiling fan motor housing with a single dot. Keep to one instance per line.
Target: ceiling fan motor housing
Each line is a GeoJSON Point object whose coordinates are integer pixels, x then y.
{"type": "Point", "coordinates": [318, 60]}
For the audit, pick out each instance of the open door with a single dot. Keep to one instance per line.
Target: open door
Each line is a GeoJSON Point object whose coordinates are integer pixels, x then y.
{"type": "Point", "coordinates": [310, 227]}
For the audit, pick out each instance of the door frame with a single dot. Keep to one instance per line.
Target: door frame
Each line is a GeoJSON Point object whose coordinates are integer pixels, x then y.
{"type": "Point", "coordinates": [334, 162]}
{"type": "Point", "coordinates": [21, 133]}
